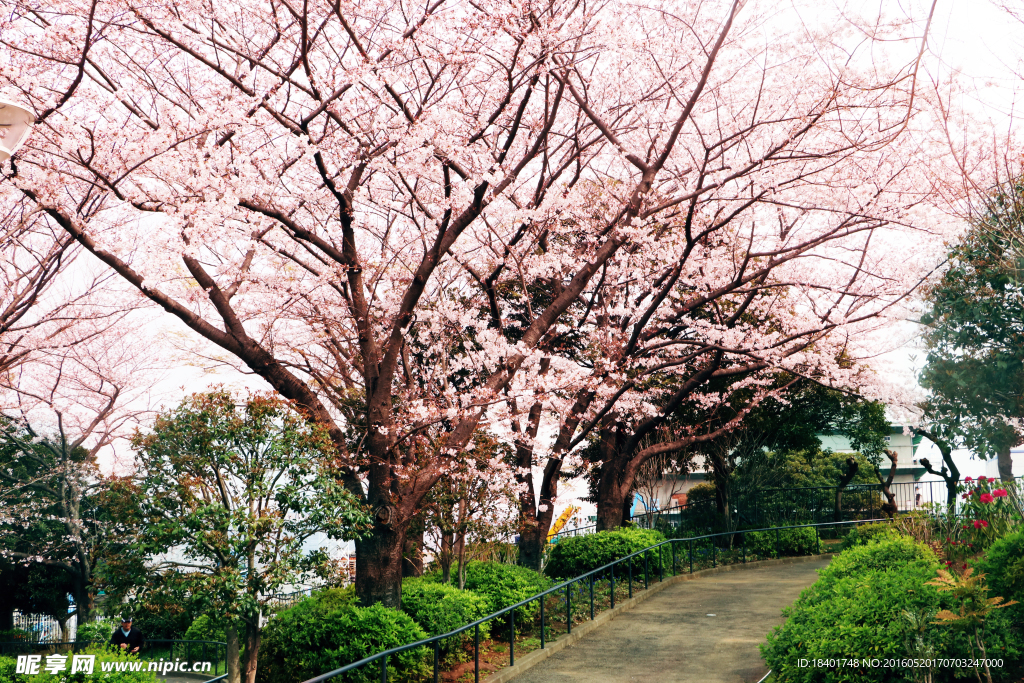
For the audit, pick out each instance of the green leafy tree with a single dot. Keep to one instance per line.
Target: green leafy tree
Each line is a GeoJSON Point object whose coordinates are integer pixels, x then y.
{"type": "Point", "coordinates": [53, 520]}
{"type": "Point", "coordinates": [224, 511]}
{"type": "Point", "coordinates": [975, 334]}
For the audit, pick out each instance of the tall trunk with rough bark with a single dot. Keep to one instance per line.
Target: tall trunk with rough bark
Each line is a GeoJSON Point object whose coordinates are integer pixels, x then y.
{"type": "Point", "coordinates": [253, 636]}
{"type": "Point", "coordinates": [234, 670]}
{"type": "Point", "coordinates": [612, 491]}
{"type": "Point", "coordinates": [379, 564]}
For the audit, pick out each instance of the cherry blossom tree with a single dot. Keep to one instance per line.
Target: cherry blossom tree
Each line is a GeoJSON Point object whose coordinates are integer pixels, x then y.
{"type": "Point", "coordinates": [459, 216]}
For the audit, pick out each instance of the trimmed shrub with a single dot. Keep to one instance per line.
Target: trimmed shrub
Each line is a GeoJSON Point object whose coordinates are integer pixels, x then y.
{"type": "Point", "coordinates": [1003, 564]}
{"type": "Point", "coordinates": [859, 535]}
{"type": "Point", "coordinates": [506, 584]}
{"type": "Point", "coordinates": [98, 631]}
{"type": "Point", "coordinates": [102, 654]}
{"type": "Point", "coordinates": [439, 608]}
{"type": "Point", "coordinates": [874, 601]}
{"type": "Point", "coordinates": [790, 542]}
{"type": "Point", "coordinates": [327, 631]}
{"type": "Point", "coordinates": [7, 668]}
{"type": "Point", "coordinates": [572, 557]}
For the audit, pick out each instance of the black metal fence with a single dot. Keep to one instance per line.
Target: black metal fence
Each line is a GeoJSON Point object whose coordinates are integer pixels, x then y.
{"type": "Point", "coordinates": [557, 609]}
{"type": "Point", "coordinates": [189, 651]}
{"type": "Point", "coordinates": [782, 506]}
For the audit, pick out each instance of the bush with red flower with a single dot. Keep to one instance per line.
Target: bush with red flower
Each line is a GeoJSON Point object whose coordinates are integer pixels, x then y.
{"type": "Point", "coordinates": [986, 510]}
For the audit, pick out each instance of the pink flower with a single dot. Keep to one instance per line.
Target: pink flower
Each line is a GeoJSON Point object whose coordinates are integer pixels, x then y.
{"type": "Point", "coordinates": [977, 524]}
{"type": "Point", "coordinates": [983, 478]}
{"type": "Point", "coordinates": [968, 479]}
{"type": "Point", "coordinates": [999, 493]}
{"type": "Point", "coordinates": [986, 498]}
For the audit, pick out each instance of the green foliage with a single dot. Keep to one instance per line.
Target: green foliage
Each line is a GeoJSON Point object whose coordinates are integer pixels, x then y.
{"type": "Point", "coordinates": [701, 495]}
{"type": "Point", "coordinates": [506, 584]}
{"type": "Point", "coordinates": [327, 631]}
{"type": "Point", "coordinates": [237, 489]}
{"type": "Point", "coordinates": [572, 557]}
{"type": "Point", "coordinates": [440, 608]}
{"type": "Point", "coordinates": [856, 610]}
{"type": "Point", "coordinates": [166, 621]}
{"type": "Point", "coordinates": [864, 533]}
{"type": "Point", "coordinates": [102, 654]}
{"type": "Point", "coordinates": [790, 542]}
{"type": "Point", "coordinates": [205, 627]}
{"type": "Point", "coordinates": [875, 601]}
{"type": "Point", "coordinates": [974, 367]}
{"type": "Point", "coordinates": [99, 630]}
{"type": "Point", "coordinates": [1003, 563]}
{"type": "Point", "coordinates": [7, 668]}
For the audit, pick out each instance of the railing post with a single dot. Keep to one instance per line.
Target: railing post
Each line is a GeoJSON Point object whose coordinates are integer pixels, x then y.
{"type": "Point", "coordinates": [568, 608]}
{"type": "Point", "coordinates": [673, 544]}
{"type": "Point", "coordinates": [542, 601]}
{"type": "Point", "coordinates": [512, 638]}
{"type": "Point", "coordinates": [691, 556]}
{"type": "Point", "coordinates": [384, 669]}
{"type": "Point", "coordinates": [629, 566]}
{"type": "Point", "coordinates": [646, 553]}
{"type": "Point", "coordinates": [778, 549]}
{"type": "Point", "coordinates": [613, 586]}
{"type": "Point", "coordinates": [817, 542]}
{"type": "Point", "coordinates": [476, 653]}
{"type": "Point", "coordinates": [744, 543]}
{"type": "Point", "coordinates": [591, 597]}
{"type": "Point", "coordinates": [661, 563]}
{"type": "Point", "coordinates": [437, 659]}
{"type": "Point", "coordinates": [714, 554]}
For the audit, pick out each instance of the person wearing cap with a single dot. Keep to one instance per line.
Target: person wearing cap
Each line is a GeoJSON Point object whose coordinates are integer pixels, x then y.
{"type": "Point", "coordinates": [126, 637]}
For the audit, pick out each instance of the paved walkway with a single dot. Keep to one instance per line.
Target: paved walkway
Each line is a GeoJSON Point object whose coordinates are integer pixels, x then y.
{"type": "Point", "coordinates": [672, 638]}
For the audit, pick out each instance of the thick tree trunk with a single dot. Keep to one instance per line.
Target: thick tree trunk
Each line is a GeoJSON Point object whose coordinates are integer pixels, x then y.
{"type": "Point", "coordinates": [379, 565]}
{"type": "Point", "coordinates": [234, 671]}
{"type": "Point", "coordinates": [84, 601]}
{"type": "Point", "coordinates": [531, 547]}
{"type": "Point", "coordinates": [252, 650]}
{"type": "Point", "coordinates": [611, 491]}
{"type": "Point", "coordinates": [1005, 462]}
{"type": "Point", "coordinates": [610, 506]}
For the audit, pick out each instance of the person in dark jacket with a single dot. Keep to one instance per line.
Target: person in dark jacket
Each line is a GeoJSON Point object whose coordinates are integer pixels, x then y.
{"type": "Point", "coordinates": [126, 637]}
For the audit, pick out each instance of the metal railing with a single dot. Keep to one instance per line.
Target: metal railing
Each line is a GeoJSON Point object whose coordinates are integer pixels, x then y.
{"type": "Point", "coordinates": [211, 651]}
{"type": "Point", "coordinates": [777, 506]}
{"type": "Point", "coordinates": [697, 551]}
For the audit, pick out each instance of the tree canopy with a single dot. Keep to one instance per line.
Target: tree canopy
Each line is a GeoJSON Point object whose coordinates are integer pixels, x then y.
{"type": "Point", "coordinates": [975, 334]}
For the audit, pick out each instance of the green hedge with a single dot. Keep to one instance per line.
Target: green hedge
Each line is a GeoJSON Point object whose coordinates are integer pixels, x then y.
{"type": "Point", "coordinates": [862, 534]}
{"type": "Point", "coordinates": [440, 608]}
{"type": "Point", "coordinates": [506, 584]}
{"type": "Point", "coordinates": [873, 601]}
{"type": "Point", "coordinates": [328, 631]}
{"type": "Point", "coordinates": [572, 557]}
{"type": "Point", "coordinates": [790, 542]}
{"type": "Point", "coordinates": [7, 667]}
{"type": "Point", "coordinates": [102, 654]}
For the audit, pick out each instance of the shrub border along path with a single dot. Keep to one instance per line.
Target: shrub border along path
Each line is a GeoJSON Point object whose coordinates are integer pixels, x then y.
{"type": "Point", "coordinates": [532, 659]}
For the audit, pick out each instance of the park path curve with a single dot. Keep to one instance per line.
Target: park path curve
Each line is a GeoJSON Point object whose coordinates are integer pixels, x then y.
{"type": "Point", "coordinates": [671, 639]}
